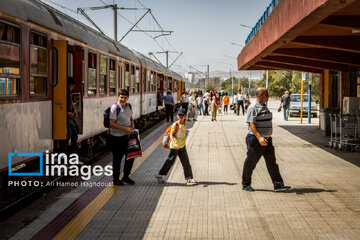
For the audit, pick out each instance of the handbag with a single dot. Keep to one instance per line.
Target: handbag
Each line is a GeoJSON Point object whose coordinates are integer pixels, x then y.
{"type": "Point", "coordinates": [279, 109]}
{"type": "Point", "coordinates": [134, 147]}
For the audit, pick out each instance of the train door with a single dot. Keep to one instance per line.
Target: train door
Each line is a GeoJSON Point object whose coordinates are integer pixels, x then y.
{"type": "Point", "coordinates": [160, 90]}
{"type": "Point", "coordinates": [59, 77]}
{"type": "Point", "coordinates": [75, 69]}
{"type": "Point", "coordinates": [66, 61]}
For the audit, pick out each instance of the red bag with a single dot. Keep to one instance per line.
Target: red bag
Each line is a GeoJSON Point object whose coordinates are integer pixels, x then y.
{"type": "Point", "coordinates": [134, 146]}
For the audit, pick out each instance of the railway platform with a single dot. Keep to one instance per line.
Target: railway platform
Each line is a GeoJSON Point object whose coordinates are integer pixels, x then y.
{"type": "Point", "coordinates": [323, 203]}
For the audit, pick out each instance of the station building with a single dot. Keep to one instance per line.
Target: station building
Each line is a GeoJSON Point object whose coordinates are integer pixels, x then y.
{"type": "Point", "coordinates": [316, 36]}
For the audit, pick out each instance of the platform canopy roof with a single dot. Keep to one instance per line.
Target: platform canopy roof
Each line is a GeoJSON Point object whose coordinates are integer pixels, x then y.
{"type": "Point", "coordinates": [306, 35]}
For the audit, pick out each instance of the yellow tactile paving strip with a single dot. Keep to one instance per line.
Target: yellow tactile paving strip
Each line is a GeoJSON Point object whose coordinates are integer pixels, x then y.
{"type": "Point", "coordinates": [77, 224]}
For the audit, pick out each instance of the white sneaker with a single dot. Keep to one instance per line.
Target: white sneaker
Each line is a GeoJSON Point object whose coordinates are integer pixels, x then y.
{"type": "Point", "coordinates": [191, 182]}
{"type": "Point", "coordinates": [160, 178]}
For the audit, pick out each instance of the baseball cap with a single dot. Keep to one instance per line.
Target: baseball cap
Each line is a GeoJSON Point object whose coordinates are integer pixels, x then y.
{"type": "Point", "coordinates": [181, 111]}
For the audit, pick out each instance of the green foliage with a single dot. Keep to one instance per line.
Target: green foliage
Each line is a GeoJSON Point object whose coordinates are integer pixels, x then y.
{"type": "Point", "coordinates": [279, 82]}
{"type": "Point", "coordinates": [244, 85]}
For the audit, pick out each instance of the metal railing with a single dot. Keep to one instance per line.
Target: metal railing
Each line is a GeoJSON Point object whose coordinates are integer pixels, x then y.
{"type": "Point", "coordinates": [266, 14]}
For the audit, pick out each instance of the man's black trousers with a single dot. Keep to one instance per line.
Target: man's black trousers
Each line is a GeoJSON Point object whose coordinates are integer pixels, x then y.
{"type": "Point", "coordinates": [169, 112]}
{"type": "Point", "coordinates": [119, 149]}
{"type": "Point", "coordinates": [254, 153]}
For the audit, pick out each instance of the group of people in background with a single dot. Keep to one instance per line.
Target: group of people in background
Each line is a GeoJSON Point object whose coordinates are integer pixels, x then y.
{"type": "Point", "coordinates": [213, 101]}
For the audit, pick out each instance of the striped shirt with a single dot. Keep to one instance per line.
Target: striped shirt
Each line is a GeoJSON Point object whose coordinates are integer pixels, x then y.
{"type": "Point", "coordinates": [262, 117]}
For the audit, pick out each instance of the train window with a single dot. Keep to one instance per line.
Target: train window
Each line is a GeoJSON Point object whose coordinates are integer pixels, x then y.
{"type": "Point", "coordinates": [153, 81]}
{"type": "Point", "coordinates": [148, 81]}
{"type": "Point", "coordinates": [137, 79]}
{"type": "Point", "coordinates": [103, 76]}
{"type": "Point", "coordinates": [170, 84]}
{"type": "Point", "coordinates": [112, 82]}
{"type": "Point", "coordinates": [9, 60]}
{"type": "Point", "coordinates": [127, 77]}
{"type": "Point", "coordinates": [120, 76]}
{"type": "Point", "coordinates": [132, 79]}
{"type": "Point", "coordinates": [38, 65]}
{"type": "Point", "coordinates": [144, 80]}
{"type": "Point", "coordinates": [92, 74]}
{"type": "Point", "coordinates": [9, 33]}
{"type": "Point", "coordinates": [70, 64]}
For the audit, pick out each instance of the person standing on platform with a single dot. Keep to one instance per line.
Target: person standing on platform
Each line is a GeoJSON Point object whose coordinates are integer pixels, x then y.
{"type": "Point", "coordinates": [169, 106]}
{"type": "Point", "coordinates": [200, 101]}
{"type": "Point", "coordinates": [215, 103]}
{"type": "Point", "coordinates": [206, 102]}
{"type": "Point", "coordinates": [178, 147]}
{"type": "Point", "coordinates": [191, 113]}
{"type": "Point", "coordinates": [259, 143]}
{"type": "Point", "coordinates": [247, 100]}
{"type": "Point", "coordinates": [184, 101]}
{"type": "Point", "coordinates": [226, 103]}
{"type": "Point", "coordinates": [72, 127]}
{"type": "Point", "coordinates": [235, 101]}
{"type": "Point", "coordinates": [285, 102]}
{"type": "Point", "coordinates": [240, 102]}
{"type": "Point", "coordinates": [160, 97]}
{"type": "Point", "coordinates": [121, 125]}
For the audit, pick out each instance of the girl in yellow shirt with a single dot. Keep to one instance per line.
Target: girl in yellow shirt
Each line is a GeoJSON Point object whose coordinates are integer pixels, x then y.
{"type": "Point", "coordinates": [177, 147]}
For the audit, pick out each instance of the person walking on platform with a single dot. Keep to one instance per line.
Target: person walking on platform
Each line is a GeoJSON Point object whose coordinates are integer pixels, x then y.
{"type": "Point", "coordinates": [169, 106]}
{"type": "Point", "coordinates": [206, 102]}
{"type": "Point", "coordinates": [259, 143]}
{"type": "Point", "coordinates": [226, 103]}
{"type": "Point", "coordinates": [178, 147]}
{"type": "Point", "coordinates": [184, 101]}
{"type": "Point", "coordinates": [285, 102]}
{"type": "Point", "coordinates": [240, 102]}
{"type": "Point", "coordinates": [121, 125]}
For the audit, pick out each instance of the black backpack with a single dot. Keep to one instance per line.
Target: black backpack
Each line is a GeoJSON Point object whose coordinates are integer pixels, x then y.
{"type": "Point", "coordinates": [107, 114]}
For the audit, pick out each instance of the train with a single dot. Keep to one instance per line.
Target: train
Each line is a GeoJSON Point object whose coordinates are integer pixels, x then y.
{"type": "Point", "coordinates": [40, 47]}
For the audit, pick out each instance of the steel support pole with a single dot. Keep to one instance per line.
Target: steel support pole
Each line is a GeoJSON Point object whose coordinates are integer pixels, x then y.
{"type": "Point", "coordinates": [249, 83]}
{"type": "Point", "coordinates": [309, 98]}
{"type": "Point", "coordinates": [115, 22]}
{"type": "Point", "coordinates": [232, 84]}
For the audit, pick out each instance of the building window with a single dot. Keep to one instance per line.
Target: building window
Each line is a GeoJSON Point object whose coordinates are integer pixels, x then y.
{"type": "Point", "coordinates": [92, 74]}
{"type": "Point", "coordinates": [103, 76]}
{"type": "Point", "coordinates": [112, 82]}
{"type": "Point", "coordinates": [9, 60]}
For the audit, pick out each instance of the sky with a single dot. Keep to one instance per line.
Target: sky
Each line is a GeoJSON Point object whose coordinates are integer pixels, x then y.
{"type": "Point", "coordinates": [203, 29]}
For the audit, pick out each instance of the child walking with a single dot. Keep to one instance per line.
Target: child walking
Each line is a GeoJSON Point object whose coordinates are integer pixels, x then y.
{"type": "Point", "coordinates": [177, 147]}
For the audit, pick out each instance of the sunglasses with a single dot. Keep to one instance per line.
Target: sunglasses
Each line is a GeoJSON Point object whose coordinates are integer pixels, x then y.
{"type": "Point", "coordinates": [181, 115]}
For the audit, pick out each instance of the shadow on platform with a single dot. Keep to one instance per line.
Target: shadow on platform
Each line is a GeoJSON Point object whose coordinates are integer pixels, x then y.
{"type": "Point", "coordinates": [313, 135]}
{"type": "Point", "coordinates": [299, 190]}
{"type": "Point", "coordinates": [204, 184]}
